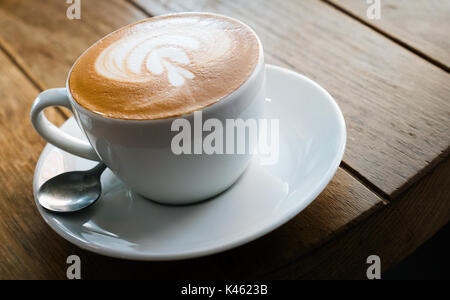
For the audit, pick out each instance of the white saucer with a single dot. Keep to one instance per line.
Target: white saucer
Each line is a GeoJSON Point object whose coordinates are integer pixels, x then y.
{"type": "Point", "coordinates": [124, 225]}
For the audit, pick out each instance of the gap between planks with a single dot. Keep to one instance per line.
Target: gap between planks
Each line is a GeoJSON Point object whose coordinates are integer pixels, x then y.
{"type": "Point", "coordinates": [385, 197]}
{"type": "Point", "coordinates": [139, 7]}
{"type": "Point", "coordinates": [364, 181]}
{"type": "Point", "coordinates": [360, 20]}
{"type": "Point", "coordinates": [394, 39]}
{"type": "Point", "coordinates": [361, 179]}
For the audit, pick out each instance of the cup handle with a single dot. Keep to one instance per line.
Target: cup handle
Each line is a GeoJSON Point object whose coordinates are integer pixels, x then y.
{"type": "Point", "coordinates": [54, 135]}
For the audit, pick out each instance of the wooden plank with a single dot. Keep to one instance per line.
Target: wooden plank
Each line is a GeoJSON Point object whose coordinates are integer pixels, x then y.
{"type": "Point", "coordinates": [326, 217]}
{"type": "Point", "coordinates": [46, 43]}
{"type": "Point", "coordinates": [31, 250]}
{"type": "Point", "coordinates": [393, 233]}
{"type": "Point", "coordinates": [329, 216]}
{"type": "Point", "coordinates": [396, 104]}
{"type": "Point", "coordinates": [25, 240]}
{"type": "Point", "coordinates": [421, 24]}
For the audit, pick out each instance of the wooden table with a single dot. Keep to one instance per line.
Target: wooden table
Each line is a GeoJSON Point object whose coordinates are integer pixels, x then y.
{"type": "Point", "coordinates": [389, 76]}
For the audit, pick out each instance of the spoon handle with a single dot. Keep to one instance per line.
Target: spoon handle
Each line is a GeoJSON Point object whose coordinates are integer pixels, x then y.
{"type": "Point", "coordinates": [98, 170]}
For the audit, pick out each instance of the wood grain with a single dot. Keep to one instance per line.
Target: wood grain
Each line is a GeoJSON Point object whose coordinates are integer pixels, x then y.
{"type": "Point", "coordinates": [396, 105]}
{"type": "Point", "coordinates": [392, 233]}
{"type": "Point", "coordinates": [31, 250]}
{"type": "Point", "coordinates": [422, 24]}
{"type": "Point", "coordinates": [326, 217]}
{"type": "Point", "coordinates": [25, 240]}
{"type": "Point", "coordinates": [49, 42]}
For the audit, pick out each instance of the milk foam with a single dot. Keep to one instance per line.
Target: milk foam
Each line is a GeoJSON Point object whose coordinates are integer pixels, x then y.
{"type": "Point", "coordinates": [132, 59]}
{"type": "Point", "coordinates": [164, 52]}
{"type": "Point", "coordinates": [165, 66]}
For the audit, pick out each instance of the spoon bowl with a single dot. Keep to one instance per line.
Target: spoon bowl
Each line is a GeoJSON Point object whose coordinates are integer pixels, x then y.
{"type": "Point", "coordinates": [72, 191]}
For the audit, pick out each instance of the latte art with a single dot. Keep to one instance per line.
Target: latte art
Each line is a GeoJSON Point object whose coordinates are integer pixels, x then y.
{"type": "Point", "coordinates": [165, 67]}
{"type": "Point", "coordinates": [137, 58]}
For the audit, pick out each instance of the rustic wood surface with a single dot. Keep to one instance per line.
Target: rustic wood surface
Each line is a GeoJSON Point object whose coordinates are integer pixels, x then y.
{"type": "Point", "coordinates": [391, 233]}
{"type": "Point", "coordinates": [423, 25]}
{"type": "Point", "coordinates": [387, 198]}
{"type": "Point", "coordinates": [329, 216]}
{"type": "Point", "coordinates": [397, 118]}
{"type": "Point", "coordinates": [26, 238]}
{"type": "Point", "coordinates": [49, 42]}
{"type": "Point", "coordinates": [21, 231]}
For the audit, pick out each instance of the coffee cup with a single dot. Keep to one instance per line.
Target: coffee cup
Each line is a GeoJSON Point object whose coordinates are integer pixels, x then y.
{"type": "Point", "coordinates": [134, 136]}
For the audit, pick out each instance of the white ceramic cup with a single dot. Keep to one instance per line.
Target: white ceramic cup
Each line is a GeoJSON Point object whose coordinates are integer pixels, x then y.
{"type": "Point", "coordinates": [139, 151]}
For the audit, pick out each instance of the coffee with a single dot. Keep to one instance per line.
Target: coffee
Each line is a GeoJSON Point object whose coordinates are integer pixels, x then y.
{"type": "Point", "coordinates": [165, 66]}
